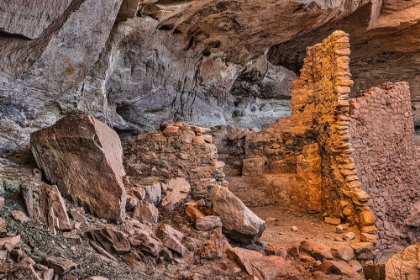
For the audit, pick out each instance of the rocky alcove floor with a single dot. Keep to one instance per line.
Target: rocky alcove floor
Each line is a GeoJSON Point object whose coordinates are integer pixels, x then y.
{"type": "Point", "coordinates": [38, 243]}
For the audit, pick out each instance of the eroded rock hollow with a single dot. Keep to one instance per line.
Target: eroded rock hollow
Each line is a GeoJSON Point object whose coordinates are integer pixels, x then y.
{"type": "Point", "coordinates": [162, 133]}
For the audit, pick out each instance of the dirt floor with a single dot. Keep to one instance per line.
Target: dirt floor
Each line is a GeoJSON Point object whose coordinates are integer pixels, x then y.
{"type": "Point", "coordinates": [310, 227]}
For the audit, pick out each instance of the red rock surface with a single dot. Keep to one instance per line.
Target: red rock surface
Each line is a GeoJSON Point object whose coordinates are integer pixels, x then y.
{"type": "Point", "coordinates": [83, 157]}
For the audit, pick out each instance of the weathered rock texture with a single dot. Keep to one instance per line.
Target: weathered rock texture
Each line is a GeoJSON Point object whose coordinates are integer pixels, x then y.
{"type": "Point", "coordinates": [239, 222]}
{"type": "Point", "coordinates": [44, 203]}
{"type": "Point", "coordinates": [138, 63]}
{"type": "Point", "coordinates": [381, 133]}
{"type": "Point", "coordinates": [334, 153]}
{"type": "Point", "coordinates": [83, 157]}
{"type": "Point", "coordinates": [179, 150]}
{"type": "Point", "coordinates": [404, 265]}
{"type": "Point", "coordinates": [383, 45]}
{"type": "Point", "coordinates": [305, 160]}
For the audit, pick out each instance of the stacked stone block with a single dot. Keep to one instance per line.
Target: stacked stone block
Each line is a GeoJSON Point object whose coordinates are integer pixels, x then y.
{"type": "Point", "coordinates": [381, 131]}
{"type": "Point", "coordinates": [178, 150]}
{"type": "Point", "coordinates": [313, 144]}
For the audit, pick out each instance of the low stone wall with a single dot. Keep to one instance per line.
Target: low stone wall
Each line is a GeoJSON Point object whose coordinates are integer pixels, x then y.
{"type": "Point", "coordinates": [179, 150]}
{"type": "Point", "coordinates": [381, 132]}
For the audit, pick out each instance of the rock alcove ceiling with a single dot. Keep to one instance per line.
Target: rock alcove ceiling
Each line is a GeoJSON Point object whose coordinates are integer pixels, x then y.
{"type": "Point", "coordinates": [135, 64]}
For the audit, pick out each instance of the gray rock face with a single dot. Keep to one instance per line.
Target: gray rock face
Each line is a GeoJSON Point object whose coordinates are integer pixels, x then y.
{"type": "Point", "coordinates": [30, 18]}
{"type": "Point", "coordinates": [239, 223]}
{"type": "Point", "coordinates": [83, 157]}
{"type": "Point", "coordinates": [176, 62]}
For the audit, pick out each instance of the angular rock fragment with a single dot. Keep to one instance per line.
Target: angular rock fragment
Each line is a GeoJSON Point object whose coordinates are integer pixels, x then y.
{"type": "Point", "coordinates": [164, 231]}
{"type": "Point", "coordinates": [3, 255]}
{"type": "Point", "coordinates": [208, 223]}
{"type": "Point", "coordinates": [48, 274]}
{"type": "Point", "coordinates": [43, 201]}
{"type": "Point", "coordinates": [317, 251]}
{"type": "Point", "coordinates": [178, 189]}
{"type": "Point", "coordinates": [14, 240]}
{"type": "Point", "coordinates": [147, 244]}
{"type": "Point", "coordinates": [239, 222]}
{"type": "Point", "coordinates": [153, 193]}
{"type": "Point", "coordinates": [112, 240]}
{"type": "Point", "coordinates": [276, 250]}
{"type": "Point", "coordinates": [60, 265]}
{"type": "Point", "coordinates": [192, 211]}
{"type": "Point", "coordinates": [213, 248]}
{"type": "Point", "coordinates": [144, 211]}
{"type": "Point", "coordinates": [404, 265]}
{"type": "Point", "coordinates": [363, 250]}
{"type": "Point", "coordinates": [2, 225]}
{"type": "Point", "coordinates": [131, 202]}
{"type": "Point", "coordinates": [101, 250]}
{"type": "Point", "coordinates": [267, 268]}
{"type": "Point", "coordinates": [78, 216]}
{"type": "Point", "coordinates": [339, 268]}
{"type": "Point", "coordinates": [19, 216]}
{"type": "Point", "coordinates": [83, 157]}
{"type": "Point", "coordinates": [175, 246]}
{"type": "Point", "coordinates": [344, 253]}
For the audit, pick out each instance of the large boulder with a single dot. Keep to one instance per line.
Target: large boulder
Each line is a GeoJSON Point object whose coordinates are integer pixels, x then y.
{"type": "Point", "coordinates": [239, 222]}
{"type": "Point", "coordinates": [83, 157]}
{"type": "Point", "coordinates": [404, 265]}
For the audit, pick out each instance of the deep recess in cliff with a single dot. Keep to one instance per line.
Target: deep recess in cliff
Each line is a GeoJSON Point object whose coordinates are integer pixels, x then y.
{"type": "Point", "coordinates": [138, 65]}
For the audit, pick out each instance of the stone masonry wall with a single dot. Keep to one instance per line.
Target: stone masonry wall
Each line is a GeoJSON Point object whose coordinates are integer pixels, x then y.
{"type": "Point", "coordinates": [313, 143]}
{"type": "Point", "coordinates": [381, 131]}
{"type": "Point", "coordinates": [178, 150]}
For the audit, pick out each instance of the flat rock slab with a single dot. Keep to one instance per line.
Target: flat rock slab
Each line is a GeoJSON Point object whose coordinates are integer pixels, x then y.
{"type": "Point", "coordinates": [83, 157]}
{"type": "Point", "coordinates": [339, 268]}
{"type": "Point", "coordinates": [43, 201]}
{"type": "Point", "coordinates": [60, 265]}
{"type": "Point", "coordinates": [112, 240]}
{"type": "Point", "coordinates": [208, 223]}
{"type": "Point", "coordinates": [164, 231]}
{"type": "Point", "coordinates": [264, 267]}
{"type": "Point", "coordinates": [147, 244]}
{"type": "Point", "coordinates": [239, 222]}
{"type": "Point", "coordinates": [175, 245]}
{"type": "Point", "coordinates": [178, 189]}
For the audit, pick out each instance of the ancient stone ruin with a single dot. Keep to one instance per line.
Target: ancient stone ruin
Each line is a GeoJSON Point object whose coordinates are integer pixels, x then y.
{"type": "Point", "coordinates": [209, 140]}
